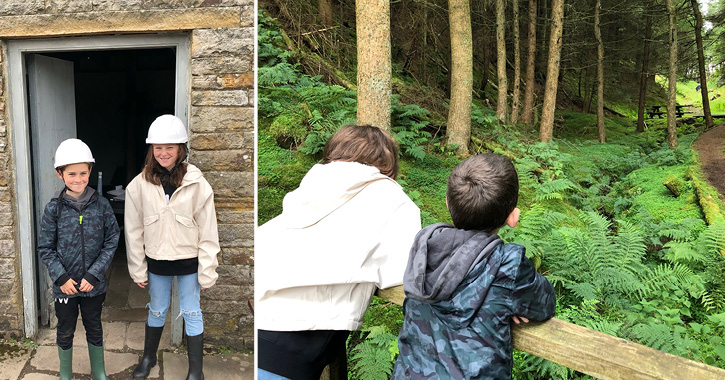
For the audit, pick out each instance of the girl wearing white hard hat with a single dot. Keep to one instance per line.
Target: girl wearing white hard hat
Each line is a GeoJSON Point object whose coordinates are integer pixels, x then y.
{"type": "Point", "coordinates": [171, 230]}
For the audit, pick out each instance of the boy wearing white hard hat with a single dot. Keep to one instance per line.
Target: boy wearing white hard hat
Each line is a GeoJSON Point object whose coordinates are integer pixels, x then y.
{"type": "Point", "coordinates": [171, 231]}
{"type": "Point", "coordinates": [77, 240]}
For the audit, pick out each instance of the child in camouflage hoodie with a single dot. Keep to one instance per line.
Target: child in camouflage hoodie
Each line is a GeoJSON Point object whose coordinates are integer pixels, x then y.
{"type": "Point", "coordinates": [77, 240]}
{"type": "Point", "coordinates": [464, 286]}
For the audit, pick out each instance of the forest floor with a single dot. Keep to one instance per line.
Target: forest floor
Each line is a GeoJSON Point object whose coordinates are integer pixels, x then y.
{"type": "Point", "coordinates": [710, 148]}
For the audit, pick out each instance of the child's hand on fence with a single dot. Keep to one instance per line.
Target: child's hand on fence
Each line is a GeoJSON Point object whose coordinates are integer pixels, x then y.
{"type": "Point", "coordinates": [85, 286]}
{"type": "Point", "coordinates": [518, 319]}
{"type": "Point", "coordinates": [69, 287]}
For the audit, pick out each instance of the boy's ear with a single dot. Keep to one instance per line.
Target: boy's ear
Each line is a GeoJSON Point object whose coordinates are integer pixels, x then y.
{"type": "Point", "coordinates": [513, 218]}
{"type": "Point", "coordinates": [59, 173]}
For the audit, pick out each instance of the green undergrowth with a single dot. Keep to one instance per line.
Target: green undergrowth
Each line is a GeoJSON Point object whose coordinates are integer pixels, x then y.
{"type": "Point", "coordinates": [627, 255]}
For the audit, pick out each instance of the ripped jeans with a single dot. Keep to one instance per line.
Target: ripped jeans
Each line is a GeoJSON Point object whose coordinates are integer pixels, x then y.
{"type": "Point", "coordinates": [189, 291]}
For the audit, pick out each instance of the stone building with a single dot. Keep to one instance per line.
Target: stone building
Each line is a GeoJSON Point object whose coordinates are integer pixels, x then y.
{"type": "Point", "coordinates": [102, 70]}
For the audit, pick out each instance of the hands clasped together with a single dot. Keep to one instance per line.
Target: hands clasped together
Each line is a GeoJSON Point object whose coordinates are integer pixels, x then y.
{"type": "Point", "coordinates": [69, 287]}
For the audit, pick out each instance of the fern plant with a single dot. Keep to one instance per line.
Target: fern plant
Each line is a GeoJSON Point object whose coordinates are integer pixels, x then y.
{"type": "Point", "coordinates": [374, 357]}
{"type": "Point", "coordinates": [409, 123]}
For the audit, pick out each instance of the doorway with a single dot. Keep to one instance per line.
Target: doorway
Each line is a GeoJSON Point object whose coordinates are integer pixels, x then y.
{"type": "Point", "coordinates": [105, 91]}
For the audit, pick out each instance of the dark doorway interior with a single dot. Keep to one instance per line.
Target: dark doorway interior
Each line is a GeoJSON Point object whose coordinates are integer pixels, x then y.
{"type": "Point", "coordinates": [118, 94]}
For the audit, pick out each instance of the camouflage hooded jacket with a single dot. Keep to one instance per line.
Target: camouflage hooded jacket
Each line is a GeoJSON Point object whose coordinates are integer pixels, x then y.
{"type": "Point", "coordinates": [462, 288]}
{"type": "Point", "coordinates": [77, 243]}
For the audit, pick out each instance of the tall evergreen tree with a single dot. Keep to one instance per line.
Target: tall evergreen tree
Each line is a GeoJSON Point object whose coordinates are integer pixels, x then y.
{"type": "Point", "coordinates": [701, 64]}
{"type": "Point", "coordinates": [546, 131]}
{"type": "Point", "coordinates": [672, 78]}
{"type": "Point", "coordinates": [459, 114]}
{"type": "Point", "coordinates": [324, 8]}
{"type": "Point", "coordinates": [501, 103]}
{"type": "Point", "coordinates": [644, 73]}
{"type": "Point", "coordinates": [517, 64]}
{"type": "Point", "coordinates": [600, 72]}
{"type": "Point", "coordinates": [528, 112]}
{"type": "Point", "coordinates": [373, 62]}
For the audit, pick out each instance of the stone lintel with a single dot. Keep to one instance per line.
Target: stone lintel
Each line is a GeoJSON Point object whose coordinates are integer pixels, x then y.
{"type": "Point", "coordinates": [137, 21]}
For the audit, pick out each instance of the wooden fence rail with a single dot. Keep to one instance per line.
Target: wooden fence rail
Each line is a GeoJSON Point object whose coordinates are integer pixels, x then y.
{"type": "Point", "coordinates": [593, 353]}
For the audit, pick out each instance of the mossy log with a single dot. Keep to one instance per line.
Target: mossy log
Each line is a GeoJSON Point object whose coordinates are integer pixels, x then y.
{"type": "Point", "coordinates": [674, 184]}
{"type": "Point", "coordinates": [707, 196]}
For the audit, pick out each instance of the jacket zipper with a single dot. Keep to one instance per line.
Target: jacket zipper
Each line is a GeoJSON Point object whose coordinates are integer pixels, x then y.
{"type": "Point", "coordinates": [83, 245]}
{"type": "Point", "coordinates": [83, 239]}
{"type": "Point", "coordinates": [80, 222]}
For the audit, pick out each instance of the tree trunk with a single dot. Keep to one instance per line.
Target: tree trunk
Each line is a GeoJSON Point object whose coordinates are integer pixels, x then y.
{"type": "Point", "coordinates": [373, 63]}
{"type": "Point", "coordinates": [486, 60]}
{"type": "Point", "coordinates": [552, 73]}
{"type": "Point", "coordinates": [701, 64]}
{"type": "Point", "coordinates": [644, 76]}
{"type": "Point", "coordinates": [424, 42]}
{"type": "Point", "coordinates": [459, 114]}
{"type": "Point", "coordinates": [517, 65]}
{"type": "Point", "coordinates": [600, 72]}
{"type": "Point", "coordinates": [501, 103]}
{"type": "Point", "coordinates": [324, 8]}
{"type": "Point", "coordinates": [528, 112]}
{"type": "Point", "coordinates": [672, 88]}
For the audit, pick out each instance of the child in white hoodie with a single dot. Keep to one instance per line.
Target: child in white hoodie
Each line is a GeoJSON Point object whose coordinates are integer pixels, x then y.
{"type": "Point", "coordinates": [343, 233]}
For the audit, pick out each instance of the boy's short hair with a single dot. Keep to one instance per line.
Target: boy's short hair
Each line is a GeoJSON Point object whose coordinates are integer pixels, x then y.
{"type": "Point", "coordinates": [61, 169]}
{"type": "Point", "coordinates": [482, 191]}
{"type": "Point", "coordinates": [365, 144]}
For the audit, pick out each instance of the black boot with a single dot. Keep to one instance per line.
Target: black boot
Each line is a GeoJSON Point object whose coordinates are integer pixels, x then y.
{"type": "Point", "coordinates": [195, 348]}
{"type": "Point", "coordinates": [150, 346]}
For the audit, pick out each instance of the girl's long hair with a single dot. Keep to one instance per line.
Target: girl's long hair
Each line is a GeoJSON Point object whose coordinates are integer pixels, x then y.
{"type": "Point", "coordinates": [365, 144]}
{"type": "Point", "coordinates": [152, 171]}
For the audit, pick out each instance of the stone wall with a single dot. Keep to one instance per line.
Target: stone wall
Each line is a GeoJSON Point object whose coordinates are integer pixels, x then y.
{"type": "Point", "coordinates": [222, 146]}
{"type": "Point", "coordinates": [11, 301]}
{"type": "Point", "coordinates": [221, 124]}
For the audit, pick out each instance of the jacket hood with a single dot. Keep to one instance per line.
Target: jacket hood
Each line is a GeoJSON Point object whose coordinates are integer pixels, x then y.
{"type": "Point", "coordinates": [324, 189]}
{"type": "Point", "coordinates": [86, 194]}
{"type": "Point", "coordinates": [193, 174]}
{"type": "Point", "coordinates": [445, 269]}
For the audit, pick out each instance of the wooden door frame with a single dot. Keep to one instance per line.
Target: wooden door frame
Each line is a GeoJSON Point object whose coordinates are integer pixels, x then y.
{"type": "Point", "coordinates": [19, 128]}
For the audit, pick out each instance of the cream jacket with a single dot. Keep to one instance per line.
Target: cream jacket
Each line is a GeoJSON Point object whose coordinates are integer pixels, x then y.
{"type": "Point", "coordinates": [184, 228]}
{"type": "Point", "coordinates": [344, 232]}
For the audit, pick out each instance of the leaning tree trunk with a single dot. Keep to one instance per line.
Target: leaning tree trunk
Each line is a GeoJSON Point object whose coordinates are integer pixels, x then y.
{"type": "Point", "coordinates": [528, 113]}
{"type": "Point", "coordinates": [644, 76]}
{"type": "Point", "coordinates": [324, 8]}
{"type": "Point", "coordinates": [517, 65]}
{"type": "Point", "coordinates": [701, 64]}
{"type": "Point", "coordinates": [552, 73]}
{"type": "Point", "coordinates": [672, 88]}
{"type": "Point", "coordinates": [600, 72]}
{"type": "Point", "coordinates": [459, 114]}
{"type": "Point", "coordinates": [501, 103]}
{"type": "Point", "coordinates": [373, 63]}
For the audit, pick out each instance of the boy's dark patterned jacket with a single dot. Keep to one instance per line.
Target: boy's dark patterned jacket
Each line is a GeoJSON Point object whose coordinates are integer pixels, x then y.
{"type": "Point", "coordinates": [462, 287]}
{"type": "Point", "coordinates": [78, 244]}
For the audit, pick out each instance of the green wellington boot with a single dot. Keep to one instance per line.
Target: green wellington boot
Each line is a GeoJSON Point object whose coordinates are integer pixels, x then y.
{"type": "Point", "coordinates": [66, 363]}
{"type": "Point", "coordinates": [98, 367]}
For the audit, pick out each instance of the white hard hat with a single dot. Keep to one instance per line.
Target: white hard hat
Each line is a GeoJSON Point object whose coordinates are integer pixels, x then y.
{"type": "Point", "coordinates": [167, 129]}
{"type": "Point", "coordinates": [72, 151]}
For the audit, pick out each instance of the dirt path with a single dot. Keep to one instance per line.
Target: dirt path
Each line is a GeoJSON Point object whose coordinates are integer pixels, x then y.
{"type": "Point", "coordinates": [710, 148]}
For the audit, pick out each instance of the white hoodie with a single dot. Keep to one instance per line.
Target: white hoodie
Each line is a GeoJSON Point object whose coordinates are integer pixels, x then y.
{"type": "Point", "coordinates": [345, 231]}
